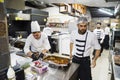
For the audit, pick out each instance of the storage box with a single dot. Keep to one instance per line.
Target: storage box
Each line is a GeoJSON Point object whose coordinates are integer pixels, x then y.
{"type": "Point", "coordinates": [39, 66]}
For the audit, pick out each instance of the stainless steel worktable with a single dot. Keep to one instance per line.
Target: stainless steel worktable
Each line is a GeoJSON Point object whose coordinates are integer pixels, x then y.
{"type": "Point", "coordinates": [57, 74]}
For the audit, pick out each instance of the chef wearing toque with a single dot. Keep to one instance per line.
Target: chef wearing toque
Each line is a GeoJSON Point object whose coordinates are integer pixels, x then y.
{"type": "Point", "coordinates": [82, 40]}
{"type": "Point", "coordinates": [37, 43]}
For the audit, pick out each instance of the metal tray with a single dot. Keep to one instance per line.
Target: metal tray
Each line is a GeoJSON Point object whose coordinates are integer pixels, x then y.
{"type": "Point", "coordinates": [57, 61]}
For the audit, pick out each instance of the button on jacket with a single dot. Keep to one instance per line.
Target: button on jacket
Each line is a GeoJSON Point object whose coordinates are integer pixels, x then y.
{"type": "Point", "coordinates": [35, 45]}
{"type": "Point", "coordinates": [83, 43]}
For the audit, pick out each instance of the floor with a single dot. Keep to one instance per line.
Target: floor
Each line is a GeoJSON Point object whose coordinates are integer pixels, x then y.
{"type": "Point", "coordinates": [101, 71]}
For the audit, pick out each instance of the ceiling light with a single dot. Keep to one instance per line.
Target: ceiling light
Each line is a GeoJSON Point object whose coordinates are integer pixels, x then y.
{"type": "Point", "coordinates": [107, 11]}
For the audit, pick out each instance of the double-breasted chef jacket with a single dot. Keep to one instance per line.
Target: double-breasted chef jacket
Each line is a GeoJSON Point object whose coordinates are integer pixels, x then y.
{"type": "Point", "coordinates": [36, 45]}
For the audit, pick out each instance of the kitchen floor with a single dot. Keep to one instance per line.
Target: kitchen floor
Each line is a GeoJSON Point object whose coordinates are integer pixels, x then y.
{"type": "Point", "coordinates": [101, 71]}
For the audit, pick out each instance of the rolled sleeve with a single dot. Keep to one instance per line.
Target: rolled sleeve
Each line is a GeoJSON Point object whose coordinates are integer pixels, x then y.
{"type": "Point", "coordinates": [27, 46]}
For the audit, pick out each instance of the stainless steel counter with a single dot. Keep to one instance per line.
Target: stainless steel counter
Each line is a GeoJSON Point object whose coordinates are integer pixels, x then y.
{"type": "Point", "coordinates": [115, 68]}
{"type": "Point", "coordinates": [51, 74]}
{"type": "Point", "coordinates": [56, 74]}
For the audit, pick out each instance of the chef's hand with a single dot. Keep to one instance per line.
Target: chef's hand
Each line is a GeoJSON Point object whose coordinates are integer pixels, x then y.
{"type": "Point", "coordinates": [44, 51]}
{"type": "Point", "coordinates": [93, 64]}
{"type": "Point", "coordinates": [35, 56]}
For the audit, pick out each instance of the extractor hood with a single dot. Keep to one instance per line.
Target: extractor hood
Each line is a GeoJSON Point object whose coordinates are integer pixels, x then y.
{"type": "Point", "coordinates": [117, 10]}
{"type": "Point", "coordinates": [37, 4]}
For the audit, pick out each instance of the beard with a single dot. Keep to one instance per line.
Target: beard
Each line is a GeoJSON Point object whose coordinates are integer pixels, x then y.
{"type": "Point", "coordinates": [81, 31]}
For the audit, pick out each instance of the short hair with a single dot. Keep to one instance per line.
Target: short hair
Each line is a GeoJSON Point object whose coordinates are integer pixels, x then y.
{"type": "Point", "coordinates": [82, 19]}
{"type": "Point", "coordinates": [108, 25]}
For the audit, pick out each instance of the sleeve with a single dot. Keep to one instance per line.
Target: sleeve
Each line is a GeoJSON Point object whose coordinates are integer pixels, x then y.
{"type": "Point", "coordinates": [27, 45]}
{"type": "Point", "coordinates": [46, 42]}
{"type": "Point", "coordinates": [95, 43]}
{"type": "Point", "coordinates": [72, 37]}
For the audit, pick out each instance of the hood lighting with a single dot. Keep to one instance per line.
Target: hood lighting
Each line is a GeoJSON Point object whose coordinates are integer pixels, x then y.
{"type": "Point", "coordinates": [105, 11]}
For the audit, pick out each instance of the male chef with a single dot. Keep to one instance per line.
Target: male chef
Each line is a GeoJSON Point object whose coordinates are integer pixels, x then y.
{"type": "Point", "coordinates": [37, 43]}
{"type": "Point", "coordinates": [82, 40]}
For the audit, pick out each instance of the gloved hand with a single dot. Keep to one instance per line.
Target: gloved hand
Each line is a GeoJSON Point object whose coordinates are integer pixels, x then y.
{"type": "Point", "coordinates": [35, 56]}
{"type": "Point", "coordinates": [41, 55]}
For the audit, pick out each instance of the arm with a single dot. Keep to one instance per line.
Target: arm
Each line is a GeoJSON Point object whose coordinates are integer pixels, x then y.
{"type": "Point", "coordinates": [97, 47]}
{"type": "Point", "coordinates": [71, 48]}
{"type": "Point", "coordinates": [27, 47]}
{"type": "Point", "coordinates": [97, 53]}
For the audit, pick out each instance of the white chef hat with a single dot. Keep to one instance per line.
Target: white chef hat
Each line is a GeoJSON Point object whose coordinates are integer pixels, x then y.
{"type": "Point", "coordinates": [35, 27]}
{"type": "Point", "coordinates": [82, 20]}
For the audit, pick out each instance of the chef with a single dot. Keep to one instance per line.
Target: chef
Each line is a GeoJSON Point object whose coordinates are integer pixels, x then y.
{"type": "Point", "coordinates": [81, 42]}
{"type": "Point", "coordinates": [100, 36]}
{"type": "Point", "coordinates": [37, 43]}
{"type": "Point", "coordinates": [107, 36]}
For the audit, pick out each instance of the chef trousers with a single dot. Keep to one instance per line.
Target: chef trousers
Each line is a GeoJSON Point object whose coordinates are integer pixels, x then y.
{"type": "Point", "coordinates": [106, 42]}
{"type": "Point", "coordinates": [84, 70]}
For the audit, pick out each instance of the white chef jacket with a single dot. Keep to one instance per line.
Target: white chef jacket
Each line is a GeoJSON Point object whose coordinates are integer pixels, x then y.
{"type": "Point", "coordinates": [90, 42]}
{"type": "Point", "coordinates": [99, 33]}
{"type": "Point", "coordinates": [35, 45]}
{"type": "Point", "coordinates": [48, 31]}
{"type": "Point", "coordinates": [107, 30]}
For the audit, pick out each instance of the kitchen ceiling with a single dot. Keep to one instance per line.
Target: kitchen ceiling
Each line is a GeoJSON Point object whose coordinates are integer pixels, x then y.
{"type": "Point", "coordinates": [96, 13]}
{"type": "Point", "coordinates": [93, 5]}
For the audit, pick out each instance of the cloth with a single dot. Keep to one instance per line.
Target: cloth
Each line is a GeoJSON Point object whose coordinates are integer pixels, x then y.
{"type": "Point", "coordinates": [91, 42]}
{"type": "Point", "coordinates": [84, 68]}
{"type": "Point", "coordinates": [107, 30]}
{"type": "Point", "coordinates": [35, 45]}
{"type": "Point", "coordinates": [48, 31]}
{"type": "Point", "coordinates": [35, 27]}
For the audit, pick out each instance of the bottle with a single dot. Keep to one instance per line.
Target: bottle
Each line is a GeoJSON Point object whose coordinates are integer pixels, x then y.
{"type": "Point", "coordinates": [11, 74]}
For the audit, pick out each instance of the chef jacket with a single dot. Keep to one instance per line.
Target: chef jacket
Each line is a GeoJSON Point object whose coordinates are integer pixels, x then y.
{"type": "Point", "coordinates": [48, 31]}
{"type": "Point", "coordinates": [36, 45]}
{"type": "Point", "coordinates": [107, 30]}
{"type": "Point", "coordinates": [99, 33]}
{"type": "Point", "coordinates": [83, 43]}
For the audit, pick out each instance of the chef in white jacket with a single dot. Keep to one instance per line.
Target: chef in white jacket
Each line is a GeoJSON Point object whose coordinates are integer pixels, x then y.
{"type": "Point", "coordinates": [37, 43]}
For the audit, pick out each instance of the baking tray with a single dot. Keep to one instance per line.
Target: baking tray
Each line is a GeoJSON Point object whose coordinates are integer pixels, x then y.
{"type": "Point", "coordinates": [57, 61]}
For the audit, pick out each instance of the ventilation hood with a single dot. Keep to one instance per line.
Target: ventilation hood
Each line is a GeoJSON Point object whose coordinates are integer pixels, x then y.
{"type": "Point", "coordinates": [37, 4]}
{"type": "Point", "coordinates": [117, 10]}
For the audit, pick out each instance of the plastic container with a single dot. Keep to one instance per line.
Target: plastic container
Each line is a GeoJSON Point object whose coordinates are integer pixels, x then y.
{"type": "Point", "coordinates": [11, 74]}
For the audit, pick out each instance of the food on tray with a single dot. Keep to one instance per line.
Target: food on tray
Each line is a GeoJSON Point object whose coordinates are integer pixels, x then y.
{"type": "Point", "coordinates": [58, 60]}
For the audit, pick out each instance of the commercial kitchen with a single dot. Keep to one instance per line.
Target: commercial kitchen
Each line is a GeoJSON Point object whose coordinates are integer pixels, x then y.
{"type": "Point", "coordinates": [16, 17]}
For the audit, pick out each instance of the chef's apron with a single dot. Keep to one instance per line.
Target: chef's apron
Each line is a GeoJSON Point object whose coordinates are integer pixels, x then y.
{"type": "Point", "coordinates": [84, 72]}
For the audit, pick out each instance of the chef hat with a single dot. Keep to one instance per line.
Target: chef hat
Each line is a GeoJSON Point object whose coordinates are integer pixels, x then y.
{"type": "Point", "coordinates": [82, 20]}
{"type": "Point", "coordinates": [35, 27]}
